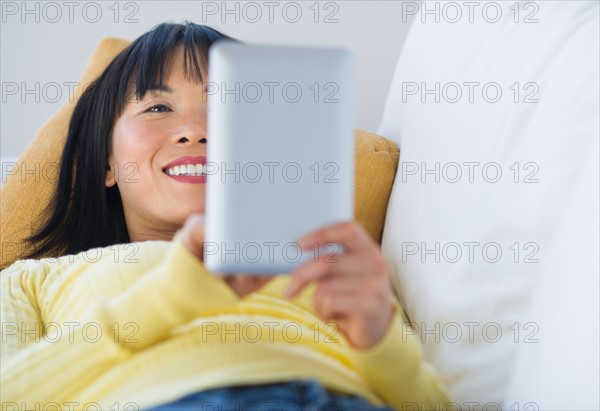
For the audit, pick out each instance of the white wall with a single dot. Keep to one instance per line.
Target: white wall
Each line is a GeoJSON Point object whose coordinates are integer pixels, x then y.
{"type": "Point", "coordinates": [54, 53]}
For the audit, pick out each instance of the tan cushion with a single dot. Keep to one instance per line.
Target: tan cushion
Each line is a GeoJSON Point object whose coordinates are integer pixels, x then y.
{"type": "Point", "coordinates": [376, 162]}
{"type": "Point", "coordinates": [25, 194]}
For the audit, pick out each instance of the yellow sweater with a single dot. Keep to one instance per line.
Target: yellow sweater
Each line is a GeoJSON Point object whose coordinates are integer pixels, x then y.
{"type": "Point", "coordinates": [142, 324]}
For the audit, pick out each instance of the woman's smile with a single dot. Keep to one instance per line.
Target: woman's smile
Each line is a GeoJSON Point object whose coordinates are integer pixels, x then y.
{"type": "Point", "coordinates": [187, 169]}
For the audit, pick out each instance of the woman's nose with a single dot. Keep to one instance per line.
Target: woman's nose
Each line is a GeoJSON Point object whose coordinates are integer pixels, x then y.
{"type": "Point", "coordinates": [185, 140]}
{"type": "Point", "coordinates": [191, 130]}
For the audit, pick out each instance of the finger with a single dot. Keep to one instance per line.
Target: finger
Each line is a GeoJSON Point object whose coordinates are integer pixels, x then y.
{"type": "Point", "coordinates": [336, 306]}
{"type": "Point", "coordinates": [194, 219]}
{"type": "Point", "coordinates": [193, 234]}
{"type": "Point", "coordinates": [341, 285]}
{"type": "Point", "coordinates": [348, 233]}
{"type": "Point", "coordinates": [347, 265]}
{"type": "Point", "coordinates": [366, 301]}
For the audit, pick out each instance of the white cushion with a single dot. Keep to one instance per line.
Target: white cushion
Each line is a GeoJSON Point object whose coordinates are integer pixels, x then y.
{"type": "Point", "coordinates": [561, 371]}
{"type": "Point", "coordinates": [554, 61]}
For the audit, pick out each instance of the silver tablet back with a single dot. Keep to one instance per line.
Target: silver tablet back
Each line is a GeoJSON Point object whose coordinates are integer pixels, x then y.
{"type": "Point", "coordinates": [280, 154]}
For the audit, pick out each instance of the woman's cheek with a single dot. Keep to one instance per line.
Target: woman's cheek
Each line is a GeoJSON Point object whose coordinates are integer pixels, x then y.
{"type": "Point", "coordinates": [136, 144]}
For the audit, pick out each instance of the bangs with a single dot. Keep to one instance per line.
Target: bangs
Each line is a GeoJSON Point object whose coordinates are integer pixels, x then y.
{"type": "Point", "coordinates": [145, 63]}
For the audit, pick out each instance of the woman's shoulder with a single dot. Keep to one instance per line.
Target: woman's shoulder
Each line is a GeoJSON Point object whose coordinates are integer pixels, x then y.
{"type": "Point", "coordinates": [101, 271]}
{"type": "Point", "coordinates": [55, 284]}
{"type": "Point", "coordinates": [145, 252]}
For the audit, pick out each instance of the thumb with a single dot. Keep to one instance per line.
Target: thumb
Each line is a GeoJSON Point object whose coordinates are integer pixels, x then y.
{"type": "Point", "coordinates": [193, 235]}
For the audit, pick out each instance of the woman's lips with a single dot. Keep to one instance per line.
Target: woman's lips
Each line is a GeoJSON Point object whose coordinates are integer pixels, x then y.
{"type": "Point", "coordinates": [188, 179]}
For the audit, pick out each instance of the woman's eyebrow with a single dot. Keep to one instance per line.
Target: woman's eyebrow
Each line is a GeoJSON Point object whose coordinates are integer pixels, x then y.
{"type": "Point", "coordinates": [158, 87]}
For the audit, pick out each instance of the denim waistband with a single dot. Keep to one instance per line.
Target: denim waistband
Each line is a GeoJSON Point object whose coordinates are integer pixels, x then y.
{"type": "Point", "coordinates": [294, 395]}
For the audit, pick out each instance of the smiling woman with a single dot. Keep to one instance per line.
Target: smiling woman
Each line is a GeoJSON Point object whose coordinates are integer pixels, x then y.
{"type": "Point", "coordinates": [143, 114]}
{"type": "Point", "coordinates": [158, 330]}
{"type": "Point", "coordinates": [162, 131]}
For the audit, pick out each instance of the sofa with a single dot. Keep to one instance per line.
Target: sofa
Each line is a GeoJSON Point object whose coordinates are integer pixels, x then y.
{"type": "Point", "coordinates": [481, 185]}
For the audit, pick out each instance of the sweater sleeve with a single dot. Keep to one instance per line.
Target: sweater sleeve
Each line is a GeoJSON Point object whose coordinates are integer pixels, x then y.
{"type": "Point", "coordinates": [37, 368]}
{"type": "Point", "coordinates": [395, 369]}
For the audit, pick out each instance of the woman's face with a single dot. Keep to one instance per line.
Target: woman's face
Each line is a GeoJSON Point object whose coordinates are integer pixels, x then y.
{"type": "Point", "coordinates": [166, 128]}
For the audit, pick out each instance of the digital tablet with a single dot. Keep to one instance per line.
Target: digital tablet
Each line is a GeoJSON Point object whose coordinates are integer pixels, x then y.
{"type": "Point", "coordinates": [280, 154]}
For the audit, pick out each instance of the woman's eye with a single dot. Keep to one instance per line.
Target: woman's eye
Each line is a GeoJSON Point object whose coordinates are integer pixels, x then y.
{"type": "Point", "coordinates": [159, 108]}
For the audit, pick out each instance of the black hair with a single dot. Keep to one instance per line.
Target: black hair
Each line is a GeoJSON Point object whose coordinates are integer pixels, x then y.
{"type": "Point", "coordinates": [84, 213]}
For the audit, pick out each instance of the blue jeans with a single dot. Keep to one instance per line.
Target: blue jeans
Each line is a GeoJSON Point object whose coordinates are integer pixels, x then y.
{"type": "Point", "coordinates": [285, 396]}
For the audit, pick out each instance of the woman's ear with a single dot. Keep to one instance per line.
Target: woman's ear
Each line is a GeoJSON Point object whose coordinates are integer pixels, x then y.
{"type": "Point", "coordinates": [110, 179]}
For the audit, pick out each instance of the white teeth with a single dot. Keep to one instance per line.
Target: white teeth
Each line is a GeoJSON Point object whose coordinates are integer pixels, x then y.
{"type": "Point", "coordinates": [186, 169]}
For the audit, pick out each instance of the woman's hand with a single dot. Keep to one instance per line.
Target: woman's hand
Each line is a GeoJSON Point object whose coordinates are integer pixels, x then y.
{"type": "Point", "coordinates": [353, 289]}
